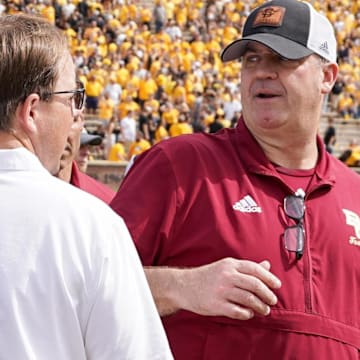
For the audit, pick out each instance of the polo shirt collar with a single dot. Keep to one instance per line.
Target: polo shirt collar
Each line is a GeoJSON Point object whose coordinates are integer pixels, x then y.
{"type": "Point", "coordinates": [257, 162]}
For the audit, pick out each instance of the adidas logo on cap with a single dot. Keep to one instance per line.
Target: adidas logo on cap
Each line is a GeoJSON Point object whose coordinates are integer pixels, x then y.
{"type": "Point", "coordinates": [324, 47]}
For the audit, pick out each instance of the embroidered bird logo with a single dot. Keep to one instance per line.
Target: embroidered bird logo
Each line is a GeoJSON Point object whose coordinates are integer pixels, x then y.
{"type": "Point", "coordinates": [353, 220]}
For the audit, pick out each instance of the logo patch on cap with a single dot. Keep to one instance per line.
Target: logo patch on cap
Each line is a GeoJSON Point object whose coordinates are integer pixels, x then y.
{"type": "Point", "coordinates": [269, 16]}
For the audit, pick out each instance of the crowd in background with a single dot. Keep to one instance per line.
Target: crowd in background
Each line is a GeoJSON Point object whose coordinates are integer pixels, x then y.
{"type": "Point", "coordinates": [152, 69]}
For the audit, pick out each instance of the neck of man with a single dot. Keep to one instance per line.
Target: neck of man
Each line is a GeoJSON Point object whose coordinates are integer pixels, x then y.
{"type": "Point", "coordinates": [12, 139]}
{"type": "Point", "coordinates": [290, 153]}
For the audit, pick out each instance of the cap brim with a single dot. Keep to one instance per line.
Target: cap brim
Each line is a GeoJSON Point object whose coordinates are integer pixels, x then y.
{"type": "Point", "coordinates": [282, 46]}
{"type": "Point", "coordinates": [88, 139]}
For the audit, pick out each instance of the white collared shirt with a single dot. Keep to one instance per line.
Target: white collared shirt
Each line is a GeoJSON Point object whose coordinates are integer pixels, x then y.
{"type": "Point", "coordinates": [72, 286]}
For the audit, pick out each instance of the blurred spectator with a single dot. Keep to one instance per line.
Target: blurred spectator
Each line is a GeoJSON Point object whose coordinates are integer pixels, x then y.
{"type": "Point", "coordinates": [336, 92]}
{"type": "Point", "coordinates": [74, 162]}
{"type": "Point", "coordinates": [93, 90]}
{"type": "Point", "coordinates": [216, 125]}
{"type": "Point", "coordinates": [351, 156]}
{"type": "Point", "coordinates": [117, 152]}
{"type": "Point", "coordinates": [235, 118]}
{"type": "Point", "coordinates": [330, 136]}
{"type": "Point", "coordinates": [161, 133]}
{"type": "Point", "coordinates": [114, 90]}
{"type": "Point", "coordinates": [105, 107]}
{"type": "Point", "coordinates": [181, 127]}
{"type": "Point", "coordinates": [347, 106]}
{"type": "Point", "coordinates": [79, 57]}
{"type": "Point", "coordinates": [128, 126]}
{"type": "Point", "coordinates": [67, 10]}
{"type": "Point", "coordinates": [84, 153]}
{"type": "Point", "coordinates": [83, 8]}
{"type": "Point", "coordinates": [110, 131]}
{"type": "Point", "coordinates": [147, 88]}
{"type": "Point", "coordinates": [138, 146]}
{"type": "Point", "coordinates": [147, 124]}
{"type": "Point", "coordinates": [159, 16]}
{"type": "Point", "coordinates": [232, 106]}
{"type": "Point", "coordinates": [200, 125]}
{"type": "Point", "coordinates": [173, 30]}
{"type": "Point", "coordinates": [169, 114]}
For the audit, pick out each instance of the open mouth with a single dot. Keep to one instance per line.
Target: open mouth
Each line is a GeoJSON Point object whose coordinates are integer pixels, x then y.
{"type": "Point", "coordinates": [265, 96]}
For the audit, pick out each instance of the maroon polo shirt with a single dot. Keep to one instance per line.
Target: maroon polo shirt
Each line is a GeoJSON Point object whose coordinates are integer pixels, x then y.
{"type": "Point", "coordinates": [195, 199]}
{"type": "Point", "coordinates": [90, 185]}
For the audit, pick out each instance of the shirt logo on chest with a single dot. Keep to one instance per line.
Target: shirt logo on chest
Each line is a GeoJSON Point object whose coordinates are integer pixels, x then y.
{"type": "Point", "coordinates": [353, 220]}
{"type": "Point", "coordinates": [247, 205]}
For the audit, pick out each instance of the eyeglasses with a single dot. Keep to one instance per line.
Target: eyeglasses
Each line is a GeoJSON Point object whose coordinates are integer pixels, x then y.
{"type": "Point", "coordinates": [294, 236]}
{"type": "Point", "coordinates": [78, 98]}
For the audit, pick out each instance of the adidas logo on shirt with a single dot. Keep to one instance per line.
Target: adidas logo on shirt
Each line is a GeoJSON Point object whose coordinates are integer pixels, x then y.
{"type": "Point", "coordinates": [247, 205]}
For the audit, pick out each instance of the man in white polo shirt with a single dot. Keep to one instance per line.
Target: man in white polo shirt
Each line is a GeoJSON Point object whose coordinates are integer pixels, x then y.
{"type": "Point", "coordinates": [72, 286]}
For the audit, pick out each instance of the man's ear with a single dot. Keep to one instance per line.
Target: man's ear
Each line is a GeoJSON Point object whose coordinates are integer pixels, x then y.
{"type": "Point", "coordinates": [330, 72]}
{"type": "Point", "coordinates": [28, 112]}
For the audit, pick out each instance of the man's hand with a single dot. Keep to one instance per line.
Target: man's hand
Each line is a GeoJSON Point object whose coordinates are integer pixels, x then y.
{"type": "Point", "coordinates": [229, 287]}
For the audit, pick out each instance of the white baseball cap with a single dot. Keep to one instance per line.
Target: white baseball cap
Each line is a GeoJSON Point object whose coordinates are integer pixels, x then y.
{"type": "Point", "coordinates": [291, 28]}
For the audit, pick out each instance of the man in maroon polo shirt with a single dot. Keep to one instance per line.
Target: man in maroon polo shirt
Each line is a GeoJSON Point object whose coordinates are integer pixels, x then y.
{"type": "Point", "coordinates": [79, 141]}
{"type": "Point", "coordinates": [250, 237]}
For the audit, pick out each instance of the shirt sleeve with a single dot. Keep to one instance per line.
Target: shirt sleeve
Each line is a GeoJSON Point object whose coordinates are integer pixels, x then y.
{"type": "Point", "coordinates": [123, 322]}
{"type": "Point", "coordinates": [147, 208]}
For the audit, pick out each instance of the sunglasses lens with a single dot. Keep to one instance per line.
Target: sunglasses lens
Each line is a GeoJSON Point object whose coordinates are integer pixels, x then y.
{"type": "Point", "coordinates": [294, 238]}
{"type": "Point", "coordinates": [294, 207]}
